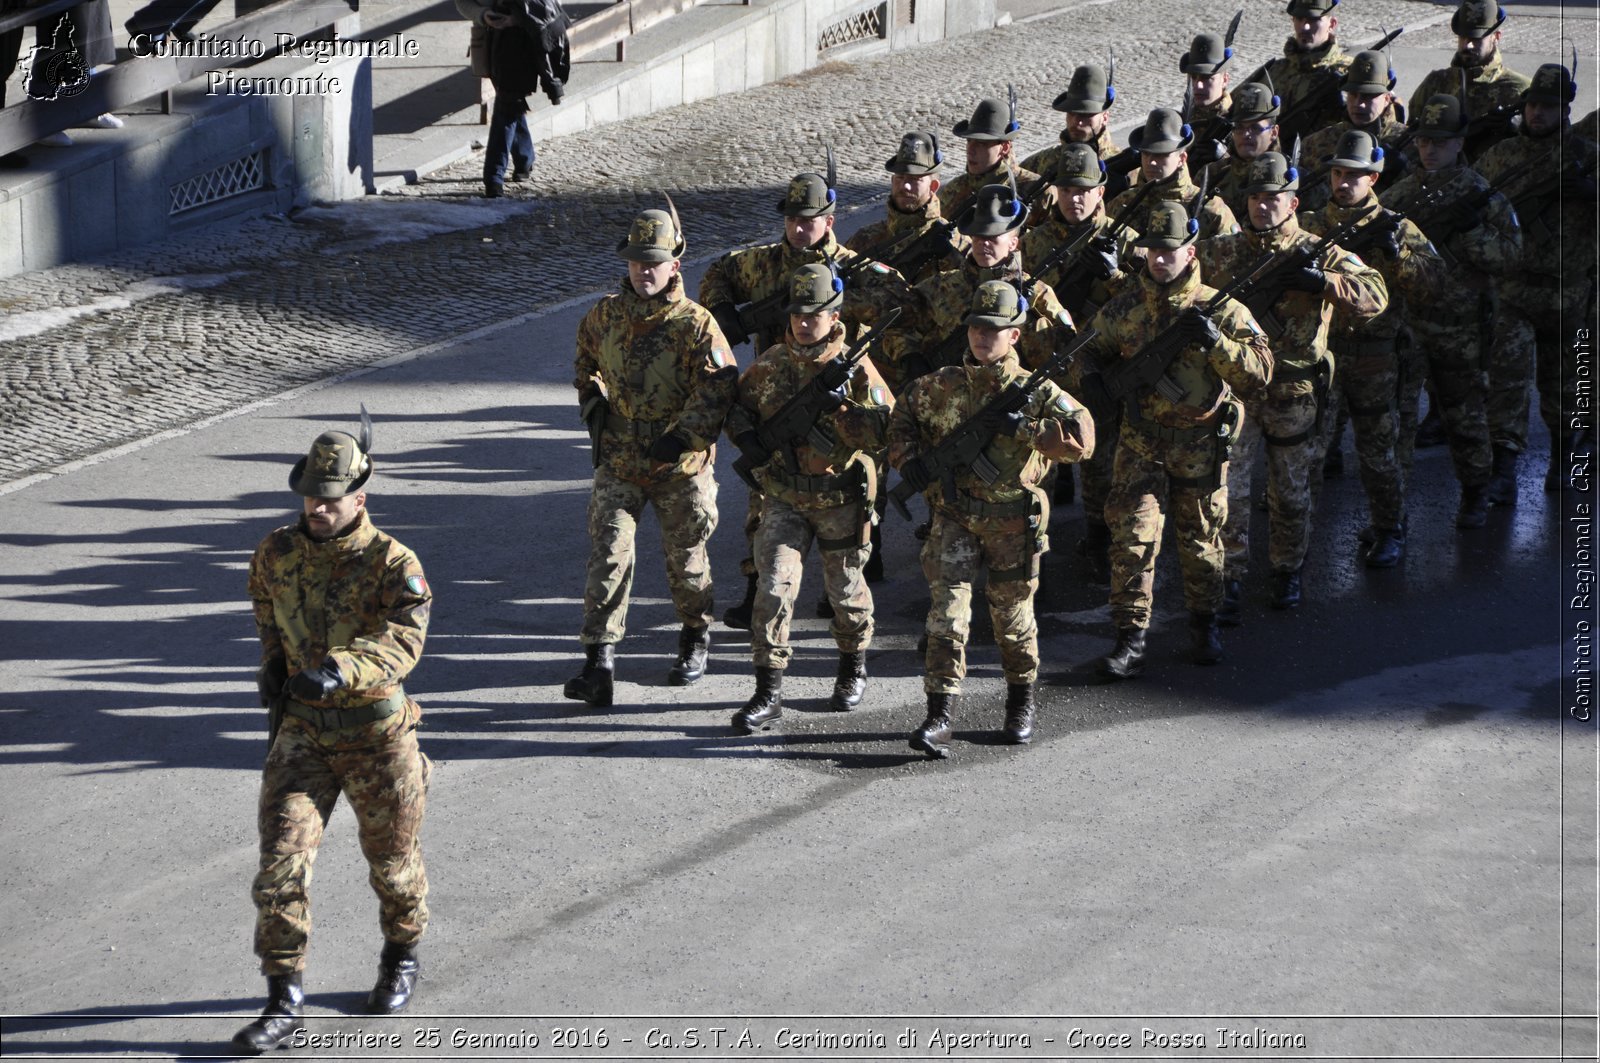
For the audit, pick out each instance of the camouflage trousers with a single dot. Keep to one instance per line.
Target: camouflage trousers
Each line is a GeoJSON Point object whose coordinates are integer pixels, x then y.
{"type": "Point", "coordinates": [1448, 356]}
{"type": "Point", "coordinates": [1532, 347]}
{"type": "Point", "coordinates": [1097, 475]}
{"type": "Point", "coordinates": [1367, 387]}
{"type": "Point", "coordinates": [1285, 422]}
{"type": "Point", "coordinates": [687, 509]}
{"type": "Point", "coordinates": [782, 542]}
{"type": "Point", "coordinates": [387, 787]}
{"type": "Point", "coordinates": [752, 521]}
{"type": "Point", "coordinates": [951, 560]}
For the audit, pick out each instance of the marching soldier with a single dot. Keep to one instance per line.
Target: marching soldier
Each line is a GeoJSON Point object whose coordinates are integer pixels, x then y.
{"type": "Point", "coordinates": [813, 493]}
{"type": "Point", "coordinates": [1368, 104]}
{"type": "Point", "coordinates": [996, 523]}
{"type": "Point", "coordinates": [757, 277]}
{"type": "Point", "coordinates": [1173, 452]}
{"type": "Point", "coordinates": [990, 134]}
{"type": "Point", "coordinates": [1163, 146]}
{"type": "Point", "coordinates": [1476, 231]}
{"type": "Point", "coordinates": [1213, 104]}
{"type": "Point", "coordinates": [1086, 102]}
{"type": "Point", "coordinates": [1549, 173]}
{"type": "Point", "coordinates": [1368, 355]}
{"type": "Point", "coordinates": [655, 379]}
{"type": "Point", "coordinates": [914, 238]}
{"type": "Point", "coordinates": [1086, 284]}
{"type": "Point", "coordinates": [1493, 90]}
{"type": "Point", "coordinates": [1287, 414]}
{"type": "Point", "coordinates": [342, 611]}
{"type": "Point", "coordinates": [1254, 130]}
{"type": "Point", "coordinates": [1311, 60]}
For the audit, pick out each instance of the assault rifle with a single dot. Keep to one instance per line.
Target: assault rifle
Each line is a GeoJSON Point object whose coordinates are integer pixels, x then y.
{"type": "Point", "coordinates": [964, 447]}
{"type": "Point", "coordinates": [767, 316]}
{"type": "Point", "coordinates": [1067, 258]}
{"type": "Point", "coordinates": [1296, 118]}
{"type": "Point", "coordinates": [796, 421]}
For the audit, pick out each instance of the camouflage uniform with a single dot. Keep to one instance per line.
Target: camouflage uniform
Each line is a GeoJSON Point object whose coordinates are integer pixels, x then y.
{"type": "Point", "coordinates": [1045, 161]}
{"type": "Point", "coordinates": [998, 526]}
{"type": "Point", "coordinates": [1285, 414]}
{"type": "Point", "coordinates": [1230, 175]}
{"type": "Point", "coordinates": [1215, 218]}
{"type": "Point", "coordinates": [1494, 95]}
{"type": "Point", "coordinates": [1170, 456]}
{"type": "Point", "coordinates": [359, 601]}
{"type": "Point", "coordinates": [960, 192]}
{"type": "Point", "coordinates": [1300, 72]}
{"type": "Point", "coordinates": [827, 500]}
{"type": "Point", "coordinates": [664, 367]}
{"type": "Point", "coordinates": [900, 230]}
{"type": "Point", "coordinates": [1317, 148]}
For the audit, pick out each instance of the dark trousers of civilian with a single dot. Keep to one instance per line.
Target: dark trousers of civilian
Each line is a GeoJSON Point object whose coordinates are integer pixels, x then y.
{"type": "Point", "coordinates": [508, 136]}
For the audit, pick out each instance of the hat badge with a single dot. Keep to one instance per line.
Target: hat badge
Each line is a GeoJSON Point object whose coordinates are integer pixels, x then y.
{"type": "Point", "coordinates": [1433, 112]}
{"type": "Point", "coordinates": [645, 229]}
{"type": "Point", "coordinates": [991, 299]}
{"type": "Point", "coordinates": [797, 190]}
{"type": "Point", "coordinates": [327, 460]}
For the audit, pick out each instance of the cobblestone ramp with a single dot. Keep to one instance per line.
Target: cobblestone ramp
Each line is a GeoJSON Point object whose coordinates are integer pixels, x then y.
{"type": "Point", "coordinates": [92, 356]}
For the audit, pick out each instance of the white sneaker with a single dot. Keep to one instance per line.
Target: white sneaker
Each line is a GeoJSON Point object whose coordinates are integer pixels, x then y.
{"type": "Point", "coordinates": [56, 140]}
{"type": "Point", "coordinates": [104, 121]}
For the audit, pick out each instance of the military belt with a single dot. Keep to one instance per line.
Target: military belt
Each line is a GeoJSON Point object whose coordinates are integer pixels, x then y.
{"type": "Point", "coordinates": [1354, 348]}
{"type": "Point", "coordinates": [1294, 374]}
{"type": "Point", "coordinates": [977, 507]}
{"type": "Point", "coordinates": [1168, 434]}
{"type": "Point", "coordinates": [814, 484]}
{"type": "Point", "coordinates": [336, 719]}
{"type": "Point", "coordinates": [644, 431]}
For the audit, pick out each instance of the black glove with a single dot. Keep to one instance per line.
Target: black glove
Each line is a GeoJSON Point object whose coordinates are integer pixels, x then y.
{"type": "Point", "coordinates": [315, 686]}
{"type": "Point", "coordinates": [1308, 278]}
{"type": "Point", "coordinates": [1198, 329]}
{"type": "Point", "coordinates": [270, 678]}
{"type": "Point", "coordinates": [594, 411]}
{"type": "Point", "coordinates": [1461, 217]}
{"type": "Point", "coordinates": [1010, 423]}
{"type": "Point", "coordinates": [1388, 245]}
{"type": "Point", "coordinates": [1205, 152]}
{"type": "Point", "coordinates": [915, 472]}
{"type": "Point", "coordinates": [668, 449]}
{"type": "Point", "coordinates": [749, 444]}
{"type": "Point", "coordinates": [1100, 258]}
{"type": "Point", "coordinates": [727, 316]}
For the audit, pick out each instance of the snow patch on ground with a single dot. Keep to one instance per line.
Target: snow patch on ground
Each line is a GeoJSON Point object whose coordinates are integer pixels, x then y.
{"type": "Point", "coordinates": [33, 322]}
{"type": "Point", "coordinates": [372, 222]}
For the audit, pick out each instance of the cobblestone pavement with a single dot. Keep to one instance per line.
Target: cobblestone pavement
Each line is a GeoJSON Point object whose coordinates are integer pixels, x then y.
{"type": "Point", "coordinates": [96, 355]}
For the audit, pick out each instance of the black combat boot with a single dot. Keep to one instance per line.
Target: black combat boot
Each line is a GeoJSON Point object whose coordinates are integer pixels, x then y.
{"type": "Point", "coordinates": [1020, 712]}
{"type": "Point", "coordinates": [765, 705]}
{"type": "Point", "coordinates": [738, 616]}
{"type": "Point", "coordinates": [850, 683]}
{"type": "Point", "coordinates": [1095, 547]}
{"type": "Point", "coordinates": [1286, 590]}
{"type": "Point", "coordinates": [1370, 533]}
{"type": "Point", "coordinates": [1474, 509]}
{"type": "Point", "coordinates": [1333, 463]}
{"type": "Point", "coordinates": [593, 684]}
{"type": "Point", "coordinates": [1231, 612]}
{"type": "Point", "coordinates": [933, 737]}
{"type": "Point", "coordinates": [1388, 547]}
{"type": "Point", "coordinates": [693, 645]}
{"type": "Point", "coordinates": [398, 971]}
{"type": "Point", "coordinates": [1204, 640]}
{"type": "Point", "coordinates": [872, 571]}
{"type": "Point", "coordinates": [1502, 489]}
{"type": "Point", "coordinates": [1127, 659]}
{"type": "Point", "coordinates": [278, 1022]}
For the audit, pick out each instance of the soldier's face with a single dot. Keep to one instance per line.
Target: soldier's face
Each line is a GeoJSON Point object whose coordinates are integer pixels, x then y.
{"type": "Point", "coordinates": [1438, 154]}
{"type": "Point", "coordinates": [1310, 32]}
{"type": "Point", "coordinates": [812, 328]}
{"type": "Point", "coordinates": [805, 232]}
{"type": "Point", "coordinates": [1252, 138]}
{"type": "Point", "coordinates": [1542, 117]}
{"type": "Point", "coordinates": [992, 250]}
{"type": "Point", "coordinates": [990, 344]}
{"type": "Point", "coordinates": [1079, 203]}
{"type": "Point", "coordinates": [327, 517]}
{"type": "Point", "coordinates": [1083, 128]}
{"type": "Point", "coordinates": [984, 155]}
{"type": "Point", "coordinates": [1268, 210]}
{"type": "Point", "coordinates": [1476, 51]}
{"type": "Point", "coordinates": [910, 192]}
{"type": "Point", "coordinates": [1208, 88]}
{"type": "Point", "coordinates": [1159, 165]}
{"type": "Point", "coordinates": [651, 278]}
{"type": "Point", "coordinates": [1350, 186]}
{"type": "Point", "coordinates": [1365, 107]}
{"type": "Point", "coordinates": [1166, 264]}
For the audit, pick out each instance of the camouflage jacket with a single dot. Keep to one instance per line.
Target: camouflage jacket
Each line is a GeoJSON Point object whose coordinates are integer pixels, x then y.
{"type": "Point", "coordinates": [1216, 219]}
{"type": "Point", "coordinates": [1354, 286]}
{"type": "Point", "coordinates": [933, 323]}
{"type": "Point", "coordinates": [1494, 97]}
{"type": "Point", "coordinates": [1299, 73]}
{"type": "Point", "coordinates": [956, 195]}
{"type": "Point", "coordinates": [858, 430]}
{"type": "Point", "coordinates": [1418, 273]}
{"type": "Point", "coordinates": [1318, 148]}
{"type": "Point", "coordinates": [940, 402]}
{"type": "Point", "coordinates": [897, 235]}
{"type": "Point", "coordinates": [754, 273]}
{"type": "Point", "coordinates": [1240, 359]}
{"type": "Point", "coordinates": [663, 366]}
{"type": "Point", "coordinates": [1557, 264]}
{"type": "Point", "coordinates": [1490, 250]}
{"type": "Point", "coordinates": [360, 599]}
{"type": "Point", "coordinates": [1230, 176]}
{"type": "Point", "coordinates": [1044, 162]}
{"type": "Point", "coordinates": [1086, 295]}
